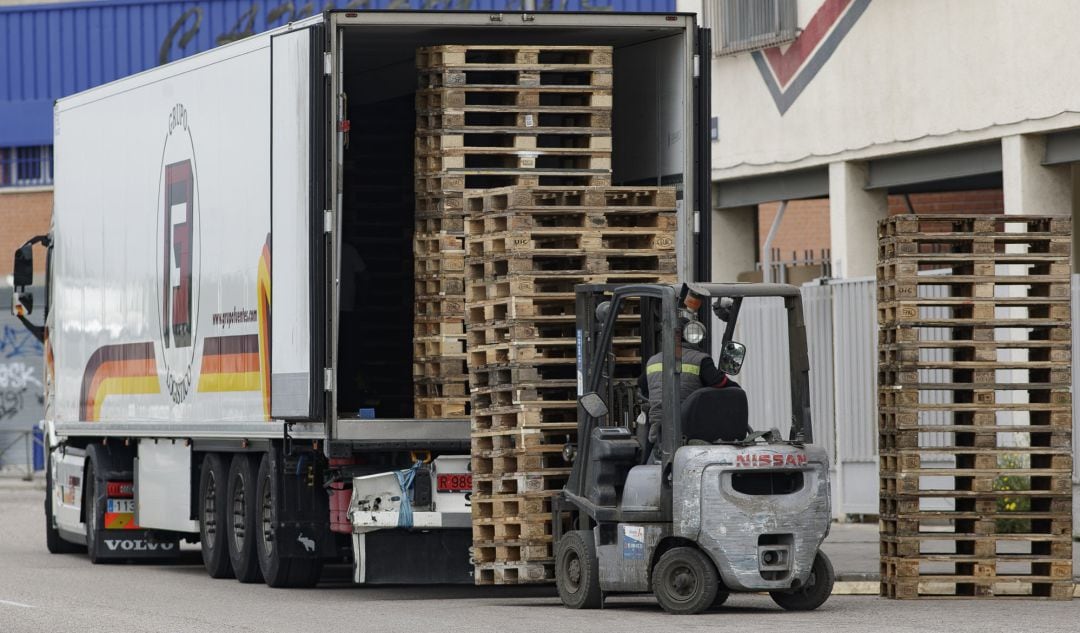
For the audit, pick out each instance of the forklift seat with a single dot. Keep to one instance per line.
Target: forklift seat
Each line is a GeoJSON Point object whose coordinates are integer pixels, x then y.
{"type": "Point", "coordinates": [716, 415]}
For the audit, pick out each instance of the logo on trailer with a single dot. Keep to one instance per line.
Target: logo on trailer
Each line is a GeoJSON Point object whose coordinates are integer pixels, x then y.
{"type": "Point", "coordinates": [178, 254]}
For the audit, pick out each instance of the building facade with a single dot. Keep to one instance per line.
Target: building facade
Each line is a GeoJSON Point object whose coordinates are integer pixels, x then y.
{"type": "Point", "coordinates": [867, 99]}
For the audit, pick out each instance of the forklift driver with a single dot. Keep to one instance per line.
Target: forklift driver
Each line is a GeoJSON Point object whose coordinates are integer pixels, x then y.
{"type": "Point", "coordinates": [698, 370]}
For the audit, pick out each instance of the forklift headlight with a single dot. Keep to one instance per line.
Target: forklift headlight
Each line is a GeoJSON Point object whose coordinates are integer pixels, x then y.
{"type": "Point", "coordinates": [694, 333]}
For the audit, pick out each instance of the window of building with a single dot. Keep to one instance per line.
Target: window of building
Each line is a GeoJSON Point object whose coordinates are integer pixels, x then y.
{"type": "Point", "coordinates": [742, 25]}
{"type": "Point", "coordinates": [26, 166]}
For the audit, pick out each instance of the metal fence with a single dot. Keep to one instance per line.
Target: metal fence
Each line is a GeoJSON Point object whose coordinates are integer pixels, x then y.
{"type": "Point", "coordinates": [841, 327]}
{"type": "Point", "coordinates": [1075, 388]}
{"type": "Point", "coordinates": [26, 166]}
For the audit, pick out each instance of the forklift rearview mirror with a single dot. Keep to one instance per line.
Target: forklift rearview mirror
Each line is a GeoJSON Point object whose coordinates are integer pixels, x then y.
{"type": "Point", "coordinates": [732, 355]}
{"type": "Point", "coordinates": [594, 405]}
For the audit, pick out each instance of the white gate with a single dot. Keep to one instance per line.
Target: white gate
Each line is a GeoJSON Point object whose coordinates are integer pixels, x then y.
{"type": "Point", "coordinates": [1075, 416]}
{"type": "Point", "coordinates": [841, 330]}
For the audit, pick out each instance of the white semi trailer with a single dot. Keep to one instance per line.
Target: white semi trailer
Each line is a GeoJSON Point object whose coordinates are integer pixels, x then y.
{"type": "Point", "coordinates": [202, 356]}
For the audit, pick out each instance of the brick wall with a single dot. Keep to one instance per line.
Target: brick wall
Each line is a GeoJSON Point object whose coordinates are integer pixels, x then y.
{"type": "Point", "coordinates": [806, 222]}
{"type": "Point", "coordinates": [22, 216]}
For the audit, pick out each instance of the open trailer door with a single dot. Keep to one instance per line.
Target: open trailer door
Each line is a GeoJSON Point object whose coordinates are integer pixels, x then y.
{"type": "Point", "coordinates": [299, 323]}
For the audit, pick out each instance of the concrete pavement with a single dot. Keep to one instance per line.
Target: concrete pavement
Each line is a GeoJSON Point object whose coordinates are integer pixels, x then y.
{"type": "Point", "coordinates": [40, 592]}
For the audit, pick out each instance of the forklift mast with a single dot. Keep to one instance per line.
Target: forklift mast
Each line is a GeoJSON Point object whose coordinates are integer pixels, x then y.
{"type": "Point", "coordinates": [595, 366]}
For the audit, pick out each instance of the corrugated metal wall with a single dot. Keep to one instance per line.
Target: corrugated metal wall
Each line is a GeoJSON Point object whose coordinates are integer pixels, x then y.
{"type": "Point", "coordinates": [855, 368]}
{"type": "Point", "coordinates": [817, 312]}
{"type": "Point", "coordinates": [762, 327]}
{"type": "Point", "coordinates": [51, 51]}
{"type": "Point", "coordinates": [843, 380]}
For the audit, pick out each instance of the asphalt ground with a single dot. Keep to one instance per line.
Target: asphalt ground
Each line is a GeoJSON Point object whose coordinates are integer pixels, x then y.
{"type": "Point", "coordinates": [40, 592]}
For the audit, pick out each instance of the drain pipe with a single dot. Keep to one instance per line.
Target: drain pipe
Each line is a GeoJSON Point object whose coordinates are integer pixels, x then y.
{"type": "Point", "coordinates": [766, 259]}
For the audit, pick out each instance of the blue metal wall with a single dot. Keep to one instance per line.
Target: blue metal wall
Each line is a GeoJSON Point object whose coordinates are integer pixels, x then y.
{"type": "Point", "coordinates": [50, 51]}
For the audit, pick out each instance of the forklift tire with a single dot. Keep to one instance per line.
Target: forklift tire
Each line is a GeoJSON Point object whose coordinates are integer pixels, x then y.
{"type": "Point", "coordinates": [816, 590]}
{"type": "Point", "coordinates": [242, 519]}
{"type": "Point", "coordinates": [685, 581]}
{"type": "Point", "coordinates": [53, 541]}
{"type": "Point", "coordinates": [213, 516]}
{"type": "Point", "coordinates": [577, 571]}
{"type": "Point", "coordinates": [277, 570]}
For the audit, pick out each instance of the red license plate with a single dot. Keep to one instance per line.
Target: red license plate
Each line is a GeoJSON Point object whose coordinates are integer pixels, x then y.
{"type": "Point", "coordinates": [454, 482]}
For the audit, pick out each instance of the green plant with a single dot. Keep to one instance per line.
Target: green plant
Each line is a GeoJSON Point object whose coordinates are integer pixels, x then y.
{"type": "Point", "coordinates": [1018, 503]}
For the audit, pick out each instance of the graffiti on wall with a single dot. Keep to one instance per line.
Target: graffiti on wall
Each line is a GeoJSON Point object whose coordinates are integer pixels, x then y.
{"type": "Point", "coordinates": [190, 23]}
{"type": "Point", "coordinates": [22, 393]}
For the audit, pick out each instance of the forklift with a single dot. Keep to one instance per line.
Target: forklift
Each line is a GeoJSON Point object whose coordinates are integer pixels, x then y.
{"type": "Point", "coordinates": [717, 507]}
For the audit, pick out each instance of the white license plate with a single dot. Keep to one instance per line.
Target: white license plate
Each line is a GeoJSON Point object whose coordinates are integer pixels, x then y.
{"type": "Point", "coordinates": [121, 505]}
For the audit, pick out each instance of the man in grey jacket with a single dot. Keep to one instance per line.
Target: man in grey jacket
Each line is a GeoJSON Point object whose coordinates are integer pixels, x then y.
{"type": "Point", "coordinates": [697, 370]}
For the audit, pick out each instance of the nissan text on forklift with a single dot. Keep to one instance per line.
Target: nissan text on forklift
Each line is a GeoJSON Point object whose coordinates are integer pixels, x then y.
{"type": "Point", "coordinates": [722, 508]}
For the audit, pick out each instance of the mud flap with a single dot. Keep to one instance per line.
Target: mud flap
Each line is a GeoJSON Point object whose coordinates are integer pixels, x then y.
{"type": "Point", "coordinates": [303, 529]}
{"type": "Point", "coordinates": [116, 464]}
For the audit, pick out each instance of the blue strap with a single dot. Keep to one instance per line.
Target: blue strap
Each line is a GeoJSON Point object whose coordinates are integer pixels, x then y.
{"type": "Point", "coordinates": [405, 480]}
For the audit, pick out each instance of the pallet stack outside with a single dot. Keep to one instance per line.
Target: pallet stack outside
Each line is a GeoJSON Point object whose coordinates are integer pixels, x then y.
{"type": "Point", "coordinates": [491, 116]}
{"type": "Point", "coordinates": [975, 406]}
{"type": "Point", "coordinates": [526, 249]}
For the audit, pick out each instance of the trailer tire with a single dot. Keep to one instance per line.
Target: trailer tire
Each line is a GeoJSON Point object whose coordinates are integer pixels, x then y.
{"type": "Point", "coordinates": [53, 541]}
{"type": "Point", "coordinates": [815, 592]}
{"type": "Point", "coordinates": [685, 581]}
{"type": "Point", "coordinates": [577, 571]}
{"type": "Point", "coordinates": [213, 531]}
{"type": "Point", "coordinates": [242, 512]}
{"type": "Point", "coordinates": [278, 570]}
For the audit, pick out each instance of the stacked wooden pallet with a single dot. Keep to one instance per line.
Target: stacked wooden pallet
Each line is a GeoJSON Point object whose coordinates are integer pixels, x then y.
{"type": "Point", "coordinates": [491, 116]}
{"type": "Point", "coordinates": [526, 249]}
{"type": "Point", "coordinates": [975, 406]}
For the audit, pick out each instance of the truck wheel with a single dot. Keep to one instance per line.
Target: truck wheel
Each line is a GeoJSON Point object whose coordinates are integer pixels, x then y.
{"type": "Point", "coordinates": [242, 513]}
{"type": "Point", "coordinates": [53, 541]}
{"type": "Point", "coordinates": [213, 518]}
{"type": "Point", "coordinates": [814, 593]}
{"type": "Point", "coordinates": [685, 581]}
{"type": "Point", "coordinates": [278, 570]}
{"type": "Point", "coordinates": [577, 571]}
{"type": "Point", "coordinates": [92, 508]}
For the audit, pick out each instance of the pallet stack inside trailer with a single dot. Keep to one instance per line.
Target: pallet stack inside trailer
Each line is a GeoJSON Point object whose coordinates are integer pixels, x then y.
{"type": "Point", "coordinates": [975, 406]}
{"type": "Point", "coordinates": [491, 116]}
{"type": "Point", "coordinates": [526, 249]}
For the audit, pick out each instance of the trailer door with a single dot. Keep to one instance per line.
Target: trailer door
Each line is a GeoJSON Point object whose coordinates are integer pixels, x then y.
{"type": "Point", "coordinates": [298, 252]}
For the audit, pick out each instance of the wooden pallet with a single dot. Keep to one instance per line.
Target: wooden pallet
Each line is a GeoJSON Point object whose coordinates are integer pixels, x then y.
{"type": "Point", "coordinates": [899, 505]}
{"type": "Point", "coordinates": [480, 141]}
{"type": "Point", "coordinates": [1002, 276]}
{"type": "Point", "coordinates": [484, 55]}
{"type": "Point", "coordinates": [545, 98]}
{"type": "Point", "coordinates": [963, 587]}
{"type": "Point", "coordinates": [553, 436]}
{"type": "Point", "coordinates": [519, 483]}
{"type": "Point", "coordinates": [514, 417]}
{"type": "Point", "coordinates": [441, 407]}
{"type": "Point", "coordinates": [930, 227]}
{"type": "Point", "coordinates": [515, 573]}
